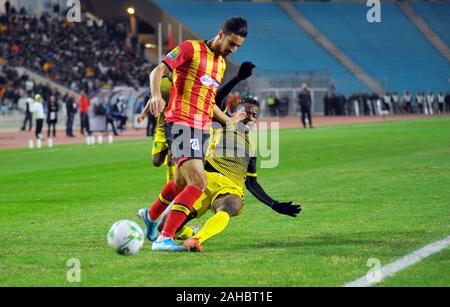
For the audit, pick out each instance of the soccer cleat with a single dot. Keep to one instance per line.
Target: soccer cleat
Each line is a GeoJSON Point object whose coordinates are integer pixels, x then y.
{"type": "Point", "coordinates": [193, 245]}
{"type": "Point", "coordinates": [167, 245]}
{"type": "Point", "coordinates": [150, 226]}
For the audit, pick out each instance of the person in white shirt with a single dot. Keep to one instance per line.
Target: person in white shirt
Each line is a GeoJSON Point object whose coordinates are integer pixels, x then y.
{"type": "Point", "coordinates": [395, 106]}
{"type": "Point", "coordinates": [440, 100]}
{"type": "Point", "coordinates": [407, 102]}
{"type": "Point", "coordinates": [28, 114]}
{"type": "Point", "coordinates": [387, 102]}
{"type": "Point", "coordinates": [39, 115]}
{"type": "Point", "coordinates": [429, 102]}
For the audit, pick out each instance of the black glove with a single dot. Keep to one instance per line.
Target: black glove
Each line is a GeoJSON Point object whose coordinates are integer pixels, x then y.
{"type": "Point", "coordinates": [245, 70]}
{"type": "Point", "coordinates": [286, 208]}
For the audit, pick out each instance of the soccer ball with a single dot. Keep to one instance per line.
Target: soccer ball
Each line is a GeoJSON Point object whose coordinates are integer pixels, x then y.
{"type": "Point", "coordinates": [126, 237]}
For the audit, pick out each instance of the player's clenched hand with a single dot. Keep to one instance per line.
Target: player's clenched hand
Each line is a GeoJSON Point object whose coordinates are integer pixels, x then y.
{"type": "Point", "coordinates": [237, 117]}
{"type": "Point", "coordinates": [141, 117]}
{"type": "Point", "coordinates": [157, 105]}
{"type": "Point", "coordinates": [287, 208]}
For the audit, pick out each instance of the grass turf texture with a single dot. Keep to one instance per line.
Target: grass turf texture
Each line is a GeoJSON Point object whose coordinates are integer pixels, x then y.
{"type": "Point", "coordinates": [368, 191]}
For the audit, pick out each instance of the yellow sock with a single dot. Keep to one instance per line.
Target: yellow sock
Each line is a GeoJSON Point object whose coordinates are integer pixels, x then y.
{"type": "Point", "coordinates": [170, 172]}
{"type": "Point", "coordinates": [185, 233]}
{"type": "Point", "coordinates": [216, 224]}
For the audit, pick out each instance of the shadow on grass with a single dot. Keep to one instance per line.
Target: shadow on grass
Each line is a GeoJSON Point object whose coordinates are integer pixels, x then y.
{"type": "Point", "coordinates": [388, 243]}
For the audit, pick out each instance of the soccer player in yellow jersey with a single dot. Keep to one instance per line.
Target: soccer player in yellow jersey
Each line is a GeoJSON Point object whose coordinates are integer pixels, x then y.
{"type": "Point", "coordinates": [230, 165]}
{"type": "Point", "coordinates": [160, 150]}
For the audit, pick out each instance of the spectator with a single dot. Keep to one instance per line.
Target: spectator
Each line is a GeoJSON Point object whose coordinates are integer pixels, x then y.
{"type": "Point", "coordinates": [407, 98]}
{"type": "Point", "coordinates": [395, 101]}
{"type": "Point", "coordinates": [284, 106]}
{"type": "Point", "coordinates": [52, 115]}
{"type": "Point", "coordinates": [109, 118]}
{"type": "Point", "coordinates": [232, 102]}
{"type": "Point", "coordinates": [7, 7]}
{"type": "Point", "coordinates": [387, 102]}
{"type": "Point", "coordinates": [81, 55]}
{"type": "Point", "coordinates": [151, 124]}
{"type": "Point", "coordinates": [39, 115]}
{"type": "Point", "coordinates": [71, 109]}
{"type": "Point", "coordinates": [304, 99]}
{"type": "Point", "coordinates": [429, 103]}
{"type": "Point", "coordinates": [83, 105]}
{"type": "Point", "coordinates": [28, 114]}
{"type": "Point", "coordinates": [119, 112]}
{"type": "Point", "coordinates": [272, 103]}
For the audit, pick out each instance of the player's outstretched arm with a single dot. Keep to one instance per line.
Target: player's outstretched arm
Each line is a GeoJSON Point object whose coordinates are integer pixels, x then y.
{"type": "Point", "coordinates": [253, 186]}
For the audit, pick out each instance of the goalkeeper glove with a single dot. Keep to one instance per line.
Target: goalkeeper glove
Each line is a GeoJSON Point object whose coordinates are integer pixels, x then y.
{"type": "Point", "coordinates": [245, 70]}
{"type": "Point", "coordinates": [286, 208]}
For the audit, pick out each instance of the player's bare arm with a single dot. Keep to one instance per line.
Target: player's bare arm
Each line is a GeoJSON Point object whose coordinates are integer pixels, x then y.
{"type": "Point", "coordinates": [156, 102]}
{"type": "Point", "coordinates": [286, 208]}
{"type": "Point", "coordinates": [220, 116]}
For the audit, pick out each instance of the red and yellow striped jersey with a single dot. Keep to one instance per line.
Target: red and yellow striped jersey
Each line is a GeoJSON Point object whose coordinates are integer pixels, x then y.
{"type": "Point", "coordinates": [197, 74]}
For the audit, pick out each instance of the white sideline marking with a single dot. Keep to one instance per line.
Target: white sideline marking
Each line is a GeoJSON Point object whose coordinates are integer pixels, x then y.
{"type": "Point", "coordinates": [402, 263]}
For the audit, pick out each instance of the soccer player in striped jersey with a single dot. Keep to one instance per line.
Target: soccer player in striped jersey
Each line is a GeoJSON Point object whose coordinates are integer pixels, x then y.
{"type": "Point", "coordinates": [230, 165]}
{"type": "Point", "coordinates": [198, 68]}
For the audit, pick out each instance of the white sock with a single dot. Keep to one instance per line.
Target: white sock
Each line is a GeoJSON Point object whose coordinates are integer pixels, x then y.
{"type": "Point", "coordinates": [162, 238]}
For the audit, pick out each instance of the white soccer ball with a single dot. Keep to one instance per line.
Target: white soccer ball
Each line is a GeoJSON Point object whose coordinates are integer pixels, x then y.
{"type": "Point", "coordinates": [126, 237]}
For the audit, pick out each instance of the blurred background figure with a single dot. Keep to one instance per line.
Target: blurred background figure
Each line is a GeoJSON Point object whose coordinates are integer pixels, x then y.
{"type": "Point", "coordinates": [232, 102]}
{"type": "Point", "coordinates": [440, 102]}
{"type": "Point", "coordinates": [52, 115]}
{"type": "Point", "coordinates": [119, 112]}
{"type": "Point", "coordinates": [272, 103]}
{"type": "Point", "coordinates": [108, 117]}
{"type": "Point", "coordinates": [304, 99]}
{"type": "Point", "coordinates": [84, 104]}
{"type": "Point", "coordinates": [407, 102]}
{"type": "Point", "coordinates": [151, 124]}
{"type": "Point", "coordinates": [28, 114]}
{"type": "Point", "coordinates": [39, 115]}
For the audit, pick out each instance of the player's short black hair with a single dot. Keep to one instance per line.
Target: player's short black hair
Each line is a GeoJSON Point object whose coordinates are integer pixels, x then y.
{"type": "Point", "coordinates": [235, 25]}
{"type": "Point", "coordinates": [250, 100]}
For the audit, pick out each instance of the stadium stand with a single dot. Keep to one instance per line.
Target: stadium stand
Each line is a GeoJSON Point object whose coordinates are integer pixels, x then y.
{"type": "Point", "coordinates": [437, 16]}
{"type": "Point", "coordinates": [276, 44]}
{"type": "Point", "coordinates": [82, 55]}
{"type": "Point", "coordinates": [385, 50]}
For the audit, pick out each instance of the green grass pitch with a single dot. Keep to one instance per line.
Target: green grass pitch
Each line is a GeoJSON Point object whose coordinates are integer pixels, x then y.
{"type": "Point", "coordinates": [368, 191]}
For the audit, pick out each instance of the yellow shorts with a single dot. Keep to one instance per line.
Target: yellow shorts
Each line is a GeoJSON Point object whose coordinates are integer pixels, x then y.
{"type": "Point", "coordinates": [159, 141]}
{"type": "Point", "coordinates": [218, 184]}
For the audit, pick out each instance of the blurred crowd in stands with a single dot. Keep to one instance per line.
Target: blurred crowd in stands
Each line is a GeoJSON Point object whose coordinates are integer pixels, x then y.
{"type": "Point", "coordinates": [85, 55]}
{"type": "Point", "coordinates": [390, 103]}
{"type": "Point", "coordinates": [91, 55]}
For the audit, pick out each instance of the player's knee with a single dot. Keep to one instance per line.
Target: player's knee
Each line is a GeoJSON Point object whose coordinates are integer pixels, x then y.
{"type": "Point", "coordinates": [171, 161]}
{"type": "Point", "coordinates": [158, 160]}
